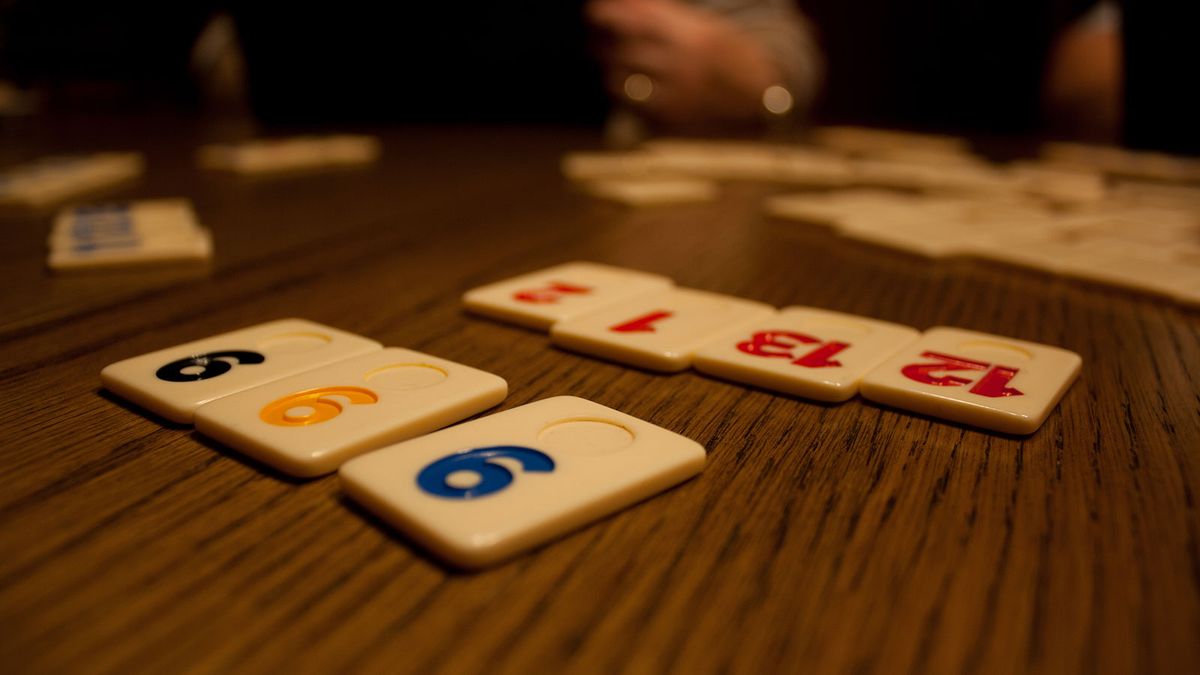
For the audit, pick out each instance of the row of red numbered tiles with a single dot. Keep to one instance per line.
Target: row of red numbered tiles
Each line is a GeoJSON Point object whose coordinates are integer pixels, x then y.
{"type": "Point", "coordinates": [307, 399]}
{"type": "Point", "coordinates": [644, 320]}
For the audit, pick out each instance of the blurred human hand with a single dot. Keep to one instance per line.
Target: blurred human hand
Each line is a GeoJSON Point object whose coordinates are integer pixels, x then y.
{"type": "Point", "coordinates": [679, 65]}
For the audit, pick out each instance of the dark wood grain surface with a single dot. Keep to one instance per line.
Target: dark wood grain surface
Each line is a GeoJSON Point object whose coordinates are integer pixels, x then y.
{"type": "Point", "coordinates": [820, 538]}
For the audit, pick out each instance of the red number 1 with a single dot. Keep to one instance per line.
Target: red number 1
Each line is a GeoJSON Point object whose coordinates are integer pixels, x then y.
{"type": "Point", "coordinates": [642, 324]}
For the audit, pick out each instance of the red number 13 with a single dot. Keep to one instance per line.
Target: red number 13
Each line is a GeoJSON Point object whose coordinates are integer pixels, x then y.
{"type": "Point", "coordinates": [775, 343]}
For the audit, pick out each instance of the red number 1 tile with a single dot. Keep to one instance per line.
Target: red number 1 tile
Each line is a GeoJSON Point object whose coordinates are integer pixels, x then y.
{"type": "Point", "coordinates": [657, 331]}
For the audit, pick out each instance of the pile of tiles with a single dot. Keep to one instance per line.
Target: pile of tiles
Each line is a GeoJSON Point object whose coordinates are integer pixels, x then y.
{"type": "Point", "coordinates": [1105, 215]}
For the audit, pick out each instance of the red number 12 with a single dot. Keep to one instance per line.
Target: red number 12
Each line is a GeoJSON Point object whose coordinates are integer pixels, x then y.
{"type": "Point", "coordinates": [993, 384]}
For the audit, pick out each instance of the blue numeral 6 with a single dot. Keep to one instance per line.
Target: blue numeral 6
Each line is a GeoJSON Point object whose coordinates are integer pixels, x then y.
{"type": "Point", "coordinates": [492, 477]}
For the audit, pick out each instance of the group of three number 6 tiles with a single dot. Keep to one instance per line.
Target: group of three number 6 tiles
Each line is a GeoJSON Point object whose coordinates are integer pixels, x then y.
{"type": "Point", "coordinates": [645, 321]}
{"type": "Point", "coordinates": [308, 399]}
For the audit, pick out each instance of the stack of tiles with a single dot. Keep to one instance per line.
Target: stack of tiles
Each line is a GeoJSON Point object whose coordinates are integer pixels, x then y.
{"type": "Point", "coordinates": [300, 153]}
{"type": "Point", "coordinates": [53, 179]}
{"type": "Point", "coordinates": [156, 231]}
{"type": "Point", "coordinates": [642, 320]}
{"type": "Point", "coordinates": [1149, 247]}
{"type": "Point", "coordinates": [1100, 214]}
{"type": "Point", "coordinates": [307, 399]}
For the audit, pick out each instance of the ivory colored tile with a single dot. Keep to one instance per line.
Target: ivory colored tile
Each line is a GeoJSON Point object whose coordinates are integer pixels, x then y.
{"type": "Point", "coordinates": [717, 160]}
{"type": "Point", "coordinates": [1118, 267]}
{"type": "Point", "coordinates": [600, 165]}
{"type": "Point", "coordinates": [308, 424]}
{"type": "Point", "coordinates": [1189, 294]}
{"type": "Point", "coordinates": [804, 351]}
{"type": "Point", "coordinates": [657, 331]}
{"type": "Point", "coordinates": [539, 299]}
{"type": "Point", "coordinates": [1058, 183]}
{"type": "Point", "coordinates": [979, 379]}
{"type": "Point", "coordinates": [653, 191]}
{"type": "Point", "coordinates": [1047, 252]}
{"type": "Point", "coordinates": [174, 382]}
{"type": "Point", "coordinates": [732, 160]}
{"type": "Point", "coordinates": [1121, 161]}
{"type": "Point", "coordinates": [488, 489]}
{"type": "Point", "coordinates": [149, 218]}
{"type": "Point", "coordinates": [56, 178]}
{"type": "Point", "coordinates": [194, 246]}
{"type": "Point", "coordinates": [957, 178]}
{"type": "Point", "coordinates": [282, 155]}
{"type": "Point", "coordinates": [832, 208]}
{"type": "Point", "coordinates": [928, 239]}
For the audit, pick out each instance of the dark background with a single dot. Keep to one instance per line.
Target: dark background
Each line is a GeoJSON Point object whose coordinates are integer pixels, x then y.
{"type": "Point", "coordinates": [947, 65]}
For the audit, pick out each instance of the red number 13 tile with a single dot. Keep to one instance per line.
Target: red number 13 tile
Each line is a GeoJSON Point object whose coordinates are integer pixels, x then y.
{"type": "Point", "coordinates": [804, 351]}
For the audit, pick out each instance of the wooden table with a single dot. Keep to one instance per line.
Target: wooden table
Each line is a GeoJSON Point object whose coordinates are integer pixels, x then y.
{"type": "Point", "coordinates": [820, 538]}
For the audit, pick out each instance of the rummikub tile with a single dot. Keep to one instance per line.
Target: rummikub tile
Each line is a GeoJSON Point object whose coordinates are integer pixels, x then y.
{"type": "Point", "coordinates": [932, 239]}
{"type": "Point", "coordinates": [601, 165]}
{"type": "Point", "coordinates": [979, 379]}
{"type": "Point", "coordinates": [309, 424]}
{"type": "Point", "coordinates": [124, 234]}
{"type": "Point", "coordinates": [174, 382]}
{"type": "Point", "coordinates": [485, 490]}
{"type": "Point", "coordinates": [653, 191]}
{"type": "Point", "coordinates": [657, 331]}
{"type": "Point", "coordinates": [281, 155]}
{"type": "Point", "coordinates": [726, 160]}
{"type": "Point", "coordinates": [56, 178]}
{"type": "Point", "coordinates": [804, 351]}
{"type": "Point", "coordinates": [539, 299]}
{"type": "Point", "coordinates": [1120, 266]}
{"type": "Point", "coordinates": [1058, 183]}
{"type": "Point", "coordinates": [194, 246]}
{"type": "Point", "coordinates": [145, 219]}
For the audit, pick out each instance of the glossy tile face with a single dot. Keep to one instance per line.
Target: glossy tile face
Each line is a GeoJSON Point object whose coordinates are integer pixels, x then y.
{"type": "Point", "coordinates": [56, 178]}
{"type": "Point", "coordinates": [657, 331]}
{"type": "Point", "coordinates": [652, 191]}
{"type": "Point", "coordinates": [125, 234]}
{"type": "Point", "coordinates": [539, 299]}
{"type": "Point", "coordinates": [111, 223]}
{"type": "Point", "coordinates": [173, 382]}
{"type": "Point", "coordinates": [309, 424]}
{"type": "Point", "coordinates": [979, 379]}
{"type": "Point", "coordinates": [194, 246]}
{"type": "Point", "coordinates": [281, 155]}
{"type": "Point", "coordinates": [488, 489]}
{"type": "Point", "coordinates": [804, 351]}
